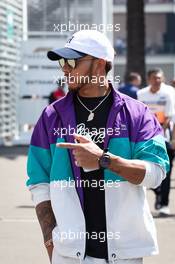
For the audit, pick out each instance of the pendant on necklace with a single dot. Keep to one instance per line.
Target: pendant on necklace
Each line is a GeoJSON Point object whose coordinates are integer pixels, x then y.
{"type": "Point", "coordinates": [91, 116]}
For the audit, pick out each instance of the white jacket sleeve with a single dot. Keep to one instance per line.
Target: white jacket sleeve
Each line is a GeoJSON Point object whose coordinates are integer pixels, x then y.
{"type": "Point", "coordinates": [40, 193]}
{"type": "Point", "coordinates": [154, 175]}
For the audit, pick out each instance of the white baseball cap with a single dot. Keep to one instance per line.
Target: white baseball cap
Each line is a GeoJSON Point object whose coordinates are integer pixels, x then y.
{"type": "Point", "coordinates": [82, 43]}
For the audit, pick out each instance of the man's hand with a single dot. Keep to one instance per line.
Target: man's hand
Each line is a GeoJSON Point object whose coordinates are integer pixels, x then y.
{"type": "Point", "coordinates": [86, 152]}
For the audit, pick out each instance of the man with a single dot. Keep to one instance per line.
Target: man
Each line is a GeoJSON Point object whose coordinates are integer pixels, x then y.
{"type": "Point", "coordinates": [159, 97]}
{"type": "Point", "coordinates": [131, 87]}
{"type": "Point", "coordinates": [89, 189]}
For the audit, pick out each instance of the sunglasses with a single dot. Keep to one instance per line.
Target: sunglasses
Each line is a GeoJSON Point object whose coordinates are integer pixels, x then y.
{"type": "Point", "coordinates": [71, 62]}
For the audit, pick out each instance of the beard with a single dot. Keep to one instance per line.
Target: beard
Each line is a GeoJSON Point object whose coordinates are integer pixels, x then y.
{"type": "Point", "coordinates": [74, 90]}
{"type": "Point", "coordinates": [81, 81]}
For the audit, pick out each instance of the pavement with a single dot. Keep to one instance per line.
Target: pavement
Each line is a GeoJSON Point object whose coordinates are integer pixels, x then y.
{"type": "Point", "coordinates": [20, 234]}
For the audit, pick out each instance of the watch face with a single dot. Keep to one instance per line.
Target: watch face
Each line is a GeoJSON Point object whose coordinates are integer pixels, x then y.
{"type": "Point", "coordinates": [105, 161]}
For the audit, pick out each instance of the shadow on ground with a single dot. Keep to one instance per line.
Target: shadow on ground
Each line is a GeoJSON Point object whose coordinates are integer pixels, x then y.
{"type": "Point", "coordinates": [161, 215]}
{"type": "Point", "coordinates": [13, 152]}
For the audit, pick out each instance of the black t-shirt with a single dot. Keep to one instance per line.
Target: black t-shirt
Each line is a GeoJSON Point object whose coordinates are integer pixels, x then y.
{"type": "Point", "coordinates": [94, 195]}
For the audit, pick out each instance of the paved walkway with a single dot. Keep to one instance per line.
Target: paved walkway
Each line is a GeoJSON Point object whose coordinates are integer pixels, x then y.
{"type": "Point", "coordinates": [20, 235]}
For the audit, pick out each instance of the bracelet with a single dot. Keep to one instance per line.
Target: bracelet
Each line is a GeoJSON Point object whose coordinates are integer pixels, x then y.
{"type": "Point", "coordinates": [48, 243]}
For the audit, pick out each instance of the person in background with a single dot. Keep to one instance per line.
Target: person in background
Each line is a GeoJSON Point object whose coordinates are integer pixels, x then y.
{"type": "Point", "coordinates": [173, 83]}
{"type": "Point", "coordinates": [58, 93]}
{"type": "Point", "coordinates": [158, 96]}
{"type": "Point", "coordinates": [120, 46]}
{"type": "Point", "coordinates": [132, 82]}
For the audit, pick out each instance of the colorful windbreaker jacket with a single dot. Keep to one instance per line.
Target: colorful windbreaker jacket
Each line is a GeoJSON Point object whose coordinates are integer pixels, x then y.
{"type": "Point", "coordinates": [134, 134]}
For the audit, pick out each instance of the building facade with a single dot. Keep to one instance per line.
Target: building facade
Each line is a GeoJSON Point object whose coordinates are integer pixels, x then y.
{"type": "Point", "coordinates": [10, 43]}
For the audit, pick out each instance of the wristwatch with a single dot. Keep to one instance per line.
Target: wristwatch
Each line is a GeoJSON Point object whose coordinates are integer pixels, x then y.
{"type": "Point", "coordinates": [104, 161]}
